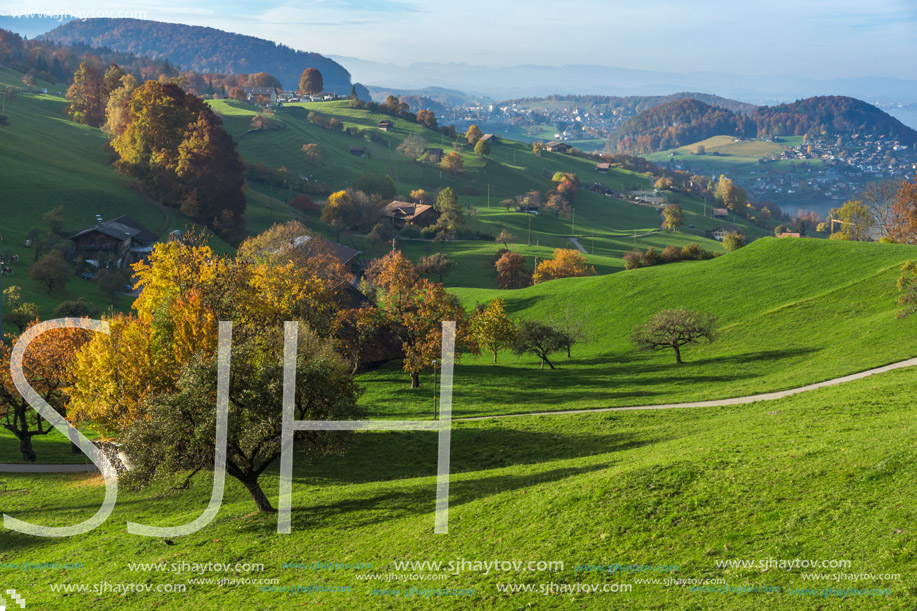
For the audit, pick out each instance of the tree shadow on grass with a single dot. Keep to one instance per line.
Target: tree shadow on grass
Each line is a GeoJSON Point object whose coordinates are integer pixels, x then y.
{"type": "Point", "coordinates": [387, 456]}
{"type": "Point", "coordinates": [405, 501]}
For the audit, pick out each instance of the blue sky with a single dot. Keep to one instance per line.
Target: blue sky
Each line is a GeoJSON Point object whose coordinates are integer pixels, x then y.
{"type": "Point", "coordinates": [814, 38]}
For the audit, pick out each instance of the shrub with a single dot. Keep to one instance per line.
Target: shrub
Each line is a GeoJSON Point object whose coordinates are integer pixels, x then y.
{"type": "Point", "coordinates": [305, 203]}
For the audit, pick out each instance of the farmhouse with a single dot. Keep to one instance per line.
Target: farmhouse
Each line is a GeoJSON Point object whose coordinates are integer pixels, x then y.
{"type": "Point", "coordinates": [265, 96]}
{"type": "Point", "coordinates": [121, 241]}
{"type": "Point", "coordinates": [720, 213]}
{"type": "Point", "coordinates": [528, 202]}
{"type": "Point", "coordinates": [407, 213]}
{"type": "Point", "coordinates": [358, 151]}
{"type": "Point", "coordinates": [557, 147]}
{"type": "Point", "coordinates": [789, 234]}
{"type": "Point", "coordinates": [313, 246]}
{"type": "Point", "coordinates": [433, 155]}
{"type": "Point", "coordinates": [602, 168]}
{"type": "Point", "coordinates": [721, 232]}
{"type": "Point", "coordinates": [489, 139]}
{"type": "Point", "coordinates": [386, 125]}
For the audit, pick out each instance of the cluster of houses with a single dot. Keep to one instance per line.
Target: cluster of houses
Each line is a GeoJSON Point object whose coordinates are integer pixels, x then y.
{"type": "Point", "coordinates": [272, 96]}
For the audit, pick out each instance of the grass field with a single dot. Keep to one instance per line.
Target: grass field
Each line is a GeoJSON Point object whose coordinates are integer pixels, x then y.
{"type": "Point", "coordinates": [825, 475]}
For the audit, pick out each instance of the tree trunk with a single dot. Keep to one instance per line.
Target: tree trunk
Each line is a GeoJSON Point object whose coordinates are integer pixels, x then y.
{"type": "Point", "coordinates": [677, 355]}
{"type": "Point", "coordinates": [544, 359]}
{"type": "Point", "coordinates": [415, 379]}
{"type": "Point", "coordinates": [254, 489]}
{"type": "Point", "coordinates": [495, 357]}
{"type": "Point", "coordinates": [25, 446]}
{"type": "Point", "coordinates": [568, 350]}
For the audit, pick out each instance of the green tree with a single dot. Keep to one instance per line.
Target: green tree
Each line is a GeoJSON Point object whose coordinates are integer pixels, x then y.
{"type": "Point", "coordinates": [16, 312]}
{"type": "Point", "coordinates": [438, 265]}
{"type": "Point", "coordinates": [674, 328]}
{"type": "Point", "coordinates": [733, 242]}
{"type": "Point", "coordinates": [482, 148]}
{"type": "Point", "coordinates": [450, 212]}
{"type": "Point", "coordinates": [538, 338]}
{"type": "Point", "coordinates": [412, 146]}
{"type": "Point", "coordinates": [492, 328]}
{"type": "Point", "coordinates": [311, 81]}
{"type": "Point", "coordinates": [857, 221]}
{"type": "Point", "coordinates": [178, 434]}
{"type": "Point", "coordinates": [50, 272]}
{"type": "Point", "coordinates": [672, 217]}
{"type": "Point", "coordinates": [54, 219]}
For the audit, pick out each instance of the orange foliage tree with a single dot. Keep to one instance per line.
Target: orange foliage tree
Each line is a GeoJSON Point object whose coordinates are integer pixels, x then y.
{"type": "Point", "coordinates": [566, 263]}
{"type": "Point", "coordinates": [46, 367]}
{"type": "Point", "coordinates": [902, 226]}
{"type": "Point", "coordinates": [415, 308]}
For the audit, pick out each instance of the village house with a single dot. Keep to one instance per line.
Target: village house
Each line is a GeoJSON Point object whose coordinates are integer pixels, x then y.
{"type": "Point", "coordinates": [264, 96]}
{"type": "Point", "coordinates": [433, 155]}
{"type": "Point", "coordinates": [386, 126]}
{"type": "Point", "coordinates": [602, 168]}
{"type": "Point", "coordinates": [557, 147]}
{"type": "Point", "coordinates": [721, 232]}
{"type": "Point", "coordinates": [489, 139]}
{"type": "Point", "coordinates": [358, 151]}
{"type": "Point", "coordinates": [720, 213]}
{"type": "Point", "coordinates": [119, 242]}
{"type": "Point", "coordinates": [409, 213]}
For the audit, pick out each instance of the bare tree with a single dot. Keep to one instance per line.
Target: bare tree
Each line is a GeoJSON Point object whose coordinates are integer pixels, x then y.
{"type": "Point", "coordinates": [880, 197]}
{"type": "Point", "coordinates": [673, 329]}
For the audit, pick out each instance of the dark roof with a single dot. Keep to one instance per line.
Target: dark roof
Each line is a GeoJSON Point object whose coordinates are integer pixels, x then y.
{"type": "Point", "coordinates": [404, 210]}
{"type": "Point", "coordinates": [342, 253]}
{"type": "Point", "coordinates": [259, 90]}
{"type": "Point", "coordinates": [121, 228]}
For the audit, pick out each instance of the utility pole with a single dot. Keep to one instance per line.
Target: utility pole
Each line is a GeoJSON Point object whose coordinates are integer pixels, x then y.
{"type": "Point", "coordinates": [635, 238]}
{"type": "Point", "coordinates": [573, 210]}
{"type": "Point", "coordinates": [488, 196]}
{"type": "Point", "coordinates": [530, 229]}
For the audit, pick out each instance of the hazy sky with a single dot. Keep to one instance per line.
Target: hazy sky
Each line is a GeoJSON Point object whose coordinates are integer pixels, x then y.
{"type": "Point", "coordinates": [814, 38]}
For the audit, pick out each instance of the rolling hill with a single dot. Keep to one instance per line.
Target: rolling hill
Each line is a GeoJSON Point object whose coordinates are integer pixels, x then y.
{"type": "Point", "coordinates": [203, 49]}
{"type": "Point", "coordinates": [685, 121]}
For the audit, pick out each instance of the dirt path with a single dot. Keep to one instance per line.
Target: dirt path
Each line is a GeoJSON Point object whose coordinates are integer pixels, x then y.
{"type": "Point", "coordinates": [719, 402]}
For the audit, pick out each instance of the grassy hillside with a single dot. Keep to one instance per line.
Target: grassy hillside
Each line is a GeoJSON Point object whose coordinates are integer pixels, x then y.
{"type": "Point", "coordinates": [604, 226]}
{"type": "Point", "coordinates": [49, 161]}
{"type": "Point", "coordinates": [791, 312]}
{"type": "Point", "coordinates": [824, 475]}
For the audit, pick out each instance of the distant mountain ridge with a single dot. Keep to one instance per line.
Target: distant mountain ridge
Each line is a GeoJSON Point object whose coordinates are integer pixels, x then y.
{"type": "Point", "coordinates": [628, 104]}
{"type": "Point", "coordinates": [684, 121]}
{"type": "Point", "coordinates": [203, 49]}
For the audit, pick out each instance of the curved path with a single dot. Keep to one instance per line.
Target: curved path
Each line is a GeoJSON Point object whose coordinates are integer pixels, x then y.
{"type": "Point", "coordinates": [38, 468]}
{"type": "Point", "coordinates": [717, 402]}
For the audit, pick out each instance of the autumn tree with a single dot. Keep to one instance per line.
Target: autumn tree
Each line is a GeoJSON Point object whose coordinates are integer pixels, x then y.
{"type": "Point", "coordinates": [50, 272]}
{"type": "Point", "coordinates": [482, 148]}
{"type": "Point", "coordinates": [420, 196]}
{"type": "Point", "coordinates": [87, 96]}
{"type": "Point", "coordinates": [414, 308]}
{"type": "Point", "coordinates": [313, 152]}
{"type": "Point", "coordinates": [538, 338]}
{"type": "Point", "coordinates": [674, 329]}
{"type": "Point", "coordinates": [176, 144]}
{"type": "Point", "coordinates": [117, 109]}
{"type": "Point", "coordinates": [856, 220]}
{"type": "Point", "coordinates": [426, 117]}
{"type": "Point", "coordinates": [453, 163]}
{"type": "Point", "coordinates": [537, 148]}
{"type": "Point", "coordinates": [473, 134]}
{"type": "Point", "coordinates": [45, 366]}
{"type": "Point", "coordinates": [511, 272]}
{"type": "Point", "coordinates": [567, 263]}
{"type": "Point", "coordinates": [492, 328]}
{"type": "Point", "coordinates": [311, 81]}
{"type": "Point", "coordinates": [904, 213]}
{"type": "Point", "coordinates": [663, 183]}
{"type": "Point", "coordinates": [673, 217]}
